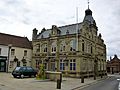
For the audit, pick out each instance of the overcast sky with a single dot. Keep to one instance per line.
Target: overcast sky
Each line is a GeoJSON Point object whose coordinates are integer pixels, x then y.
{"type": "Point", "coordinates": [19, 17]}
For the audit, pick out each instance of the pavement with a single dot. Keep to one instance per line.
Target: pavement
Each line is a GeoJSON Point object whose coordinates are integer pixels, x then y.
{"type": "Point", "coordinates": [7, 82]}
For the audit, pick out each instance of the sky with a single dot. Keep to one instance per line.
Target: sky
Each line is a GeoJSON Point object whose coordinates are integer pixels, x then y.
{"type": "Point", "coordinates": [20, 17]}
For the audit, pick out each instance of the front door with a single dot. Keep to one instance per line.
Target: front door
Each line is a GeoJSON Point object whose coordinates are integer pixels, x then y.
{"type": "Point", "coordinates": [2, 66]}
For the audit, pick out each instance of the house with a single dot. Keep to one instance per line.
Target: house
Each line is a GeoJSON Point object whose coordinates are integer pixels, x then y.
{"type": "Point", "coordinates": [113, 66]}
{"type": "Point", "coordinates": [14, 51]}
{"type": "Point", "coordinates": [74, 49]}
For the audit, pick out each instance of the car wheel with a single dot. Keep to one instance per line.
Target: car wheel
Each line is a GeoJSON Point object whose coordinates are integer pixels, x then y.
{"type": "Point", "coordinates": [21, 76]}
{"type": "Point", "coordinates": [14, 76]}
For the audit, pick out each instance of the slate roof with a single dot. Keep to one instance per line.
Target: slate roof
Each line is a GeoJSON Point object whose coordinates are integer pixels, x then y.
{"type": "Point", "coordinates": [16, 41]}
{"type": "Point", "coordinates": [90, 19]}
{"type": "Point", "coordinates": [72, 29]}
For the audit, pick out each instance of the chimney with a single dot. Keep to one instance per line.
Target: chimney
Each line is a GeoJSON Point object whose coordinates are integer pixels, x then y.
{"type": "Point", "coordinates": [34, 33]}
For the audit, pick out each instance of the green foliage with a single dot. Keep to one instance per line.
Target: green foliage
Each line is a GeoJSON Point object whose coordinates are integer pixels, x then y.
{"type": "Point", "coordinates": [41, 72]}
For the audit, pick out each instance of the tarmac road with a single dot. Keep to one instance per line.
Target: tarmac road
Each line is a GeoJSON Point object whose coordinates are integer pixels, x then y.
{"type": "Point", "coordinates": [108, 84]}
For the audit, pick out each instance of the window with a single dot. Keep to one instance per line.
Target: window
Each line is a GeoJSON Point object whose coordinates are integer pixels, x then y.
{"type": "Point", "coordinates": [72, 64]}
{"type": "Point", "coordinates": [83, 47]}
{"type": "Point", "coordinates": [62, 46]}
{"type": "Point", "coordinates": [62, 65]}
{"type": "Point", "coordinates": [91, 49]}
{"type": "Point", "coordinates": [38, 48]}
{"type": "Point", "coordinates": [45, 65]}
{"type": "Point", "coordinates": [12, 52]}
{"type": "Point", "coordinates": [37, 64]}
{"type": "Point", "coordinates": [73, 45]}
{"type": "Point", "coordinates": [25, 52]}
{"type": "Point", "coordinates": [53, 47]}
{"type": "Point", "coordinates": [0, 51]}
{"type": "Point", "coordinates": [44, 48]}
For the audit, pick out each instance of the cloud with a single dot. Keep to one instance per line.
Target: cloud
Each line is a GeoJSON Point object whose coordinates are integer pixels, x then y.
{"type": "Point", "coordinates": [21, 16]}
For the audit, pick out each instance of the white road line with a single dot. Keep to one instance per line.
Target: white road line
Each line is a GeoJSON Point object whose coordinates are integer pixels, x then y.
{"type": "Point", "coordinates": [119, 86]}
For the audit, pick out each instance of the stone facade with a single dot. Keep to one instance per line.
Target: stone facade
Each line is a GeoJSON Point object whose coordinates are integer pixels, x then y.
{"type": "Point", "coordinates": [72, 49]}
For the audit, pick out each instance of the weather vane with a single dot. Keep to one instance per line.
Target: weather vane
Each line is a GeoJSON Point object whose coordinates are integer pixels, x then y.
{"type": "Point", "coordinates": [88, 4]}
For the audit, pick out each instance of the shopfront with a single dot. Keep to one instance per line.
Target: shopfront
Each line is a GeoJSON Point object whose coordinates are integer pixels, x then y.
{"type": "Point", "coordinates": [3, 63]}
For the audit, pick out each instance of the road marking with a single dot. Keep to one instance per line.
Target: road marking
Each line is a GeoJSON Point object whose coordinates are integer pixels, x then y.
{"type": "Point", "coordinates": [118, 79]}
{"type": "Point", "coordinates": [119, 86]}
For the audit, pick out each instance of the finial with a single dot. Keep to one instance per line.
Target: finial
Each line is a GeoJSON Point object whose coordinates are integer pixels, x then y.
{"type": "Point", "coordinates": [88, 4]}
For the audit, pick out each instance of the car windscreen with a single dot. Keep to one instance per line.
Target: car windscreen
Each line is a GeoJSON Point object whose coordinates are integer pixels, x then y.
{"type": "Point", "coordinates": [17, 68]}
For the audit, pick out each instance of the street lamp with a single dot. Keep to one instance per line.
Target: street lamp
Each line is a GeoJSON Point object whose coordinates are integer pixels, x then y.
{"type": "Point", "coordinates": [9, 47]}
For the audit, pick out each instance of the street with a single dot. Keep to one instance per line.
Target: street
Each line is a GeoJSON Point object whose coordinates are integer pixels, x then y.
{"type": "Point", "coordinates": [109, 84]}
{"type": "Point", "coordinates": [7, 82]}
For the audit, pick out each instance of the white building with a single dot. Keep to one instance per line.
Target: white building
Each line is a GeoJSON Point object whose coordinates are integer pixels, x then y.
{"type": "Point", "coordinates": [14, 51]}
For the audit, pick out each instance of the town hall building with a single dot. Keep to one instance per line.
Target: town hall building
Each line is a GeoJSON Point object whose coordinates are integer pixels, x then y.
{"type": "Point", "coordinates": [74, 49]}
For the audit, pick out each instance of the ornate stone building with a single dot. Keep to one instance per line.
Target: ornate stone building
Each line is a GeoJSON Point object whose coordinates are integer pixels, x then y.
{"type": "Point", "coordinates": [72, 49]}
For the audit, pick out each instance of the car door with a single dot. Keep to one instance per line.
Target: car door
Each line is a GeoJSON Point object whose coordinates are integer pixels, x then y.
{"type": "Point", "coordinates": [30, 71]}
{"type": "Point", "coordinates": [24, 71]}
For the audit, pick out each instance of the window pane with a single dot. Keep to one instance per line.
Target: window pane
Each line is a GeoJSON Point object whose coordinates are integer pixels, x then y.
{"type": "Point", "coordinates": [25, 52]}
{"type": "Point", "coordinates": [12, 51]}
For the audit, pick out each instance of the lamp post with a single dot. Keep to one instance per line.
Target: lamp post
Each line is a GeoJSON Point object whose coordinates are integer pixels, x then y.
{"type": "Point", "coordinates": [9, 47]}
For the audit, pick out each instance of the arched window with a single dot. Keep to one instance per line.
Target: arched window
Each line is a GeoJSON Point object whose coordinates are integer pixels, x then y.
{"type": "Point", "coordinates": [53, 47]}
{"type": "Point", "coordinates": [73, 45]}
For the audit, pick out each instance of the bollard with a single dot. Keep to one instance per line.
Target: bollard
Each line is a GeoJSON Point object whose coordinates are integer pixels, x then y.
{"type": "Point", "coordinates": [82, 79]}
{"type": "Point", "coordinates": [94, 77]}
{"type": "Point", "coordinates": [101, 76]}
{"type": "Point", "coordinates": [58, 84]}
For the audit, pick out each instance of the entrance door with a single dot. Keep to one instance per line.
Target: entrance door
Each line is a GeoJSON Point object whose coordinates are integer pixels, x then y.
{"type": "Point", "coordinates": [2, 66]}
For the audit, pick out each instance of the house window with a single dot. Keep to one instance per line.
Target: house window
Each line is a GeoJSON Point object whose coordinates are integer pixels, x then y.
{"type": "Point", "coordinates": [72, 64]}
{"type": "Point", "coordinates": [25, 52]}
{"type": "Point", "coordinates": [0, 51]}
{"type": "Point", "coordinates": [12, 52]}
{"type": "Point", "coordinates": [62, 65]}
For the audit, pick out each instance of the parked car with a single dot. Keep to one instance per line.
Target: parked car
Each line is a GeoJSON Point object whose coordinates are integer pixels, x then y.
{"type": "Point", "coordinates": [24, 71]}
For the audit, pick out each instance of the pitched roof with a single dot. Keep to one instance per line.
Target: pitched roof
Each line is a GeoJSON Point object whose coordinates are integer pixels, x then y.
{"type": "Point", "coordinates": [16, 41]}
{"type": "Point", "coordinates": [63, 29]}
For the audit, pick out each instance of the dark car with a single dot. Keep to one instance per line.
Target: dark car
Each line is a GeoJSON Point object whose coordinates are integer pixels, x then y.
{"type": "Point", "coordinates": [24, 71]}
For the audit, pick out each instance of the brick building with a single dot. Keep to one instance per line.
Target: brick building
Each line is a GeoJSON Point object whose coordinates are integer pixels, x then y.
{"type": "Point", "coordinates": [113, 66]}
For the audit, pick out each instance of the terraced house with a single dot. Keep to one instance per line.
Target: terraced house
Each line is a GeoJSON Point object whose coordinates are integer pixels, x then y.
{"type": "Point", "coordinates": [14, 51]}
{"type": "Point", "coordinates": [74, 49]}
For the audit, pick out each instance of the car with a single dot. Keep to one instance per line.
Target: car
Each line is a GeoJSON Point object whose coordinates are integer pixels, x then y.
{"type": "Point", "coordinates": [24, 71]}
